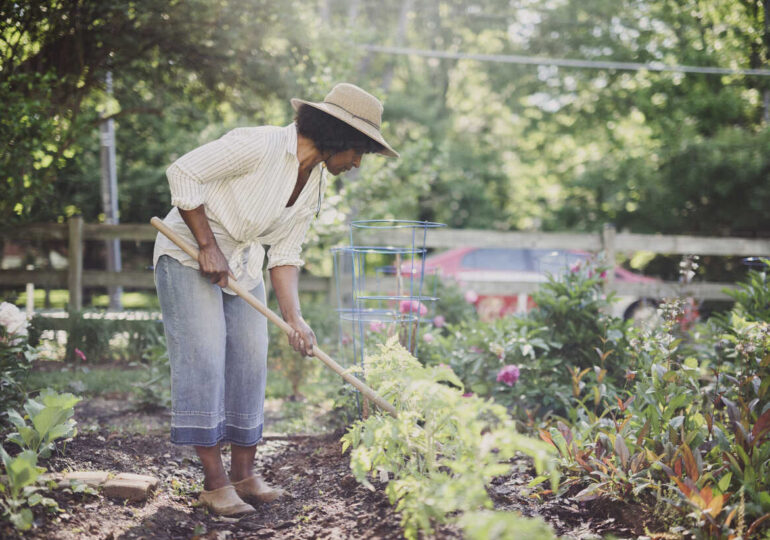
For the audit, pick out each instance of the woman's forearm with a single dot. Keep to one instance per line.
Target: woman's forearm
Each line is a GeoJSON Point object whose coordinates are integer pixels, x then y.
{"type": "Point", "coordinates": [212, 262]}
{"type": "Point", "coordinates": [285, 283]}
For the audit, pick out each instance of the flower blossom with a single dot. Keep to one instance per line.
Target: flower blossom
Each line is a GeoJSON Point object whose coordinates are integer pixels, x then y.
{"type": "Point", "coordinates": [13, 319]}
{"type": "Point", "coordinates": [439, 321]}
{"type": "Point", "coordinates": [508, 375]}
{"type": "Point", "coordinates": [471, 297]}
{"type": "Point", "coordinates": [376, 326]}
{"type": "Point", "coordinates": [427, 337]}
{"type": "Point", "coordinates": [413, 306]}
{"type": "Point", "coordinates": [80, 354]}
{"type": "Point", "coordinates": [497, 349]}
{"type": "Point", "coordinates": [468, 394]}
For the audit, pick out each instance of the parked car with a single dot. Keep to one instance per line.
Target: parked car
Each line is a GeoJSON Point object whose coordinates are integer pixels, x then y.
{"type": "Point", "coordinates": [481, 264]}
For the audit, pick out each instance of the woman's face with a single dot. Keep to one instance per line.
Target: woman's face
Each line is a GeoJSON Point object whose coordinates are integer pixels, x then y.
{"type": "Point", "coordinates": [343, 161]}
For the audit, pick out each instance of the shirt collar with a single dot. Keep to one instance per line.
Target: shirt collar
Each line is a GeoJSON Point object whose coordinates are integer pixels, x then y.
{"type": "Point", "coordinates": [291, 139]}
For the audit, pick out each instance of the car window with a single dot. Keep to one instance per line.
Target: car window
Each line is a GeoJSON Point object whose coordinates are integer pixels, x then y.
{"type": "Point", "coordinates": [555, 261]}
{"type": "Point", "coordinates": [497, 259]}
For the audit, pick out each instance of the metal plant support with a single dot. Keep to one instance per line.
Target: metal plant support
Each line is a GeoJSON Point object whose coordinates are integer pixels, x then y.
{"type": "Point", "coordinates": [380, 288]}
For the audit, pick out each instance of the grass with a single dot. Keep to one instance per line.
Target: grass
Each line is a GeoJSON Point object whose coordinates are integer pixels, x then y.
{"type": "Point", "coordinates": [87, 381]}
{"type": "Point", "coordinates": [97, 380]}
{"type": "Point", "coordinates": [59, 298]}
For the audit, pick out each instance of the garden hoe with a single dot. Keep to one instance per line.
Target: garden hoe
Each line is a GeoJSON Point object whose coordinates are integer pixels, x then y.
{"type": "Point", "coordinates": [272, 316]}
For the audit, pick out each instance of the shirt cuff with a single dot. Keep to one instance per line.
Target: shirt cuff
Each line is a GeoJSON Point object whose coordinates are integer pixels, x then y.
{"type": "Point", "coordinates": [284, 260]}
{"type": "Point", "coordinates": [186, 192]}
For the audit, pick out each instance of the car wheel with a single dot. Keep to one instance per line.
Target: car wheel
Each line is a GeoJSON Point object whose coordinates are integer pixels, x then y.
{"type": "Point", "coordinates": [643, 312]}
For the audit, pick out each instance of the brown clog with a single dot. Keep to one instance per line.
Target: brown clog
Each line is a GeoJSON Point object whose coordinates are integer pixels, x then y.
{"type": "Point", "coordinates": [225, 502]}
{"type": "Point", "coordinates": [254, 488]}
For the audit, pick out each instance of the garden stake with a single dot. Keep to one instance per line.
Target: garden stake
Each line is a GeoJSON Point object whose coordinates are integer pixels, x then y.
{"type": "Point", "coordinates": [271, 316]}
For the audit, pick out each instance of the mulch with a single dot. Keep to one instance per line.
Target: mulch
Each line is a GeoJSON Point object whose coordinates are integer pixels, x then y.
{"type": "Point", "coordinates": [325, 502]}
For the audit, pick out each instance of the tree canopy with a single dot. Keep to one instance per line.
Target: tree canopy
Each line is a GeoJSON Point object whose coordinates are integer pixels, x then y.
{"type": "Point", "coordinates": [484, 144]}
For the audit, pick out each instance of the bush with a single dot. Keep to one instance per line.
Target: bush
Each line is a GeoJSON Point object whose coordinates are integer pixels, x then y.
{"type": "Point", "coordinates": [92, 337]}
{"type": "Point", "coordinates": [441, 451]}
{"type": "Point", "coordinates": [15, 356]}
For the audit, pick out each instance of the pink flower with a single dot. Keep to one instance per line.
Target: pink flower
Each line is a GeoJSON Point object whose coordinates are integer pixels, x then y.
{"type": "Point", "coordinates": [439, 321]}
{"type": "Point", "coordinates": [603, 275]}
{"type": "Point", "coordinates": [575, 268]}
{"type": "Point", "coordinates": [475, 349]}
{"type": "Point", "coordinates": [346, 339]}
{"type": "Point", "coordinates": [508, 375]}
{"type": "Point", "coordinates": [471, 297]}
{"type": "Point", "coordinates": [377, 326]}
{"type": "Point", "coordinates": [468, 394]}
{"type": "Point", "coordinates": [427, 338]}
{"type": "Point", "coordinates": [80, 355]}
{"type": "Point", "coordinates": [443, 366]}
{"type": "Point", "coordinates": [412, 306]}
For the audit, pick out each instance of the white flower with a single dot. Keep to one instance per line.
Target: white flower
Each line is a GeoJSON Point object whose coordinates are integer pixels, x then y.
{"type": "Point", "coordinates": [13, 319]}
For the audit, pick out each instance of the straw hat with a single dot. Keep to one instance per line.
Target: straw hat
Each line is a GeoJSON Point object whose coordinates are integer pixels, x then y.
{"type": "Point", "coordinates": [355, 107]}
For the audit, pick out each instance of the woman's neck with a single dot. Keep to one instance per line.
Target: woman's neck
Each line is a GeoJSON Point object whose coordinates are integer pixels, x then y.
{"type": "Point", "coordinates": [308, 155]}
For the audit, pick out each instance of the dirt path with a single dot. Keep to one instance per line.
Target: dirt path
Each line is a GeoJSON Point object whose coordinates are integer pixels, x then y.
{"type": "Point", "coordinates": [325, 502]}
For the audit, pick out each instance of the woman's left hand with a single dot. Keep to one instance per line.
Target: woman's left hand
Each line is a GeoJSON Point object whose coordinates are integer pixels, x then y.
{"type": "Point", "coordinates": [302, 338]}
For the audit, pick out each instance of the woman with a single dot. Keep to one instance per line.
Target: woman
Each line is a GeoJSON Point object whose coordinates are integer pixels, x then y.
{"type": "Point", "coordinates": [253, 187]}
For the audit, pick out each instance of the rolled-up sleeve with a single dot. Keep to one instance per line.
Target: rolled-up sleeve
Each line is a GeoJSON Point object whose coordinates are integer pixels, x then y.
{"type": "Point", "coordinates": [231, 156]}
{"type": "Point", "coordinates": [287, 251]}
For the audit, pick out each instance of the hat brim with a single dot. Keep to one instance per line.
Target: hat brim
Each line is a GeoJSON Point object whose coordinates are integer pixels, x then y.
{"type": "Point", "coordinates": [341, 114]}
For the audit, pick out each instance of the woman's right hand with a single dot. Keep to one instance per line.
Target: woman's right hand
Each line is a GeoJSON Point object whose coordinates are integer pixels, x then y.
{"type": "Point", "coordinates": [213, 264]}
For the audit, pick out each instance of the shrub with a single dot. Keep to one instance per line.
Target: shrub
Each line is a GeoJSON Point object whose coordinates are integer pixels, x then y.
{"type": "Point", "coordinates": [441, 451]}
{"type": "Point", "coordinates": [15, 356]}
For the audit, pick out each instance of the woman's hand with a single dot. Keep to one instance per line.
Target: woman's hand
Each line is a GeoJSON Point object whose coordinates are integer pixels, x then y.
{"type": "Point", "coordinates": [302, 337]}
{"type": "Point", "coordinates": [213, 264]}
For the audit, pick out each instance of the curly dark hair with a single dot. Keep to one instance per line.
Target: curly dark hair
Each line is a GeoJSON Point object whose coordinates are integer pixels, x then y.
{"type": "Point", "coordinates": [330, 134]}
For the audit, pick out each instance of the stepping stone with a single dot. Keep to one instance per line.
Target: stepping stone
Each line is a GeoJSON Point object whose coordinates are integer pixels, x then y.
{"type": "Point", "coordinates": [132, 487]}
{"type": "Point", "coordinates": [90, 478]}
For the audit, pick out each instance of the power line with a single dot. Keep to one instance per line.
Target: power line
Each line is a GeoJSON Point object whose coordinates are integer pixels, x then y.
{"type": "Point", "coordinates": [564, 62]}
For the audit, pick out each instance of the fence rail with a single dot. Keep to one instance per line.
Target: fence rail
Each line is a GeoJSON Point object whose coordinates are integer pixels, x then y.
{"type": "Point", "coordinates": [608, 241]}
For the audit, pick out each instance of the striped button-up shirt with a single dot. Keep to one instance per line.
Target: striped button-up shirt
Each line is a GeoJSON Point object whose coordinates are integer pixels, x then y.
{"type": "Point", "coordinates": [244, 180]}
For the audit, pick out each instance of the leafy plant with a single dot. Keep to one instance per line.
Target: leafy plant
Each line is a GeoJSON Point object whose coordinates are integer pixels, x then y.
{"type": "Point", "coordinates": [50, 417]}
{"type": "Point", "coordinates": [19, 492]}
{"type": "Point", "coordinates": [440, 452]}
{"type": "Point", "coordinates": [15, 355]}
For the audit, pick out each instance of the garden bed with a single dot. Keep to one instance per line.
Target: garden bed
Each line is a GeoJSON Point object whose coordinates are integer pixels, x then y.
{"type": "Point", "coordinates": [326, 500]}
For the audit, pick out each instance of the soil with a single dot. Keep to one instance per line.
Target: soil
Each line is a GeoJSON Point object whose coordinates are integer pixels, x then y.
{"type": "Point", "coordinates": [325, 500]}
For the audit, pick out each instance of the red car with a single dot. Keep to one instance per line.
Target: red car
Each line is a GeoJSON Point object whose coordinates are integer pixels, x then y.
{"type": "Point", "coordinates": [471, 264]}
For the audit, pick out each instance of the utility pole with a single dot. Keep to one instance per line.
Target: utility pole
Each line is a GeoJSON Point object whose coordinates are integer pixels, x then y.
{"type": "Point", "coordinates": [110, 198]}
{"type": "Point", "coordinates": [766, 92]}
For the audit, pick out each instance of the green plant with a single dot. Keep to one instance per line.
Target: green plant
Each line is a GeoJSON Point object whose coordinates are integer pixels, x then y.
{"type": "Point", "coordinates": [19, 491]}
{"type": "Point", "coordinates": [16, 355]}
{"type": "Point", "coordinates": [50, 417]}
{"type": "Point", "coordinates": [752, 297]}
{"type": "Point", "coordinates": [442, 450]}
{"type": "Point", "coordinates": [155, 388]}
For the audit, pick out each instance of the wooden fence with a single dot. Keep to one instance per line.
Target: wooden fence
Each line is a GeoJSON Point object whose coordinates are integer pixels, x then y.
{"type": "Point", "coordinates": [609, 241]}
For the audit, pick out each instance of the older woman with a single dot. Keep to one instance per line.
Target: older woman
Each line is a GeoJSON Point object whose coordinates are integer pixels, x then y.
{"type": "Point", "coordinates": [253, 187]}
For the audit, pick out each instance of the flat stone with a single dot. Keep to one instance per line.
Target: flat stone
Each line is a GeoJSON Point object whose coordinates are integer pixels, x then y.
{"type": "Point", "coordinates": [90, 478]}
{"type": "Point", "coordinates": [151, 480]}
{"type": "Point", "coordinates": [131, 490]}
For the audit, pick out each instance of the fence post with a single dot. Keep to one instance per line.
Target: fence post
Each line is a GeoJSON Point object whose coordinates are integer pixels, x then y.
{"type": "Point", "coordinates": [608, 249]}
{"type": "Point", "coordinates": [75, 268]}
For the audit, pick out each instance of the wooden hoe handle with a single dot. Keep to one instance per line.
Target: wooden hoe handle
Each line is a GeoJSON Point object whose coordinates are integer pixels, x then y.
{"type": "Point", "coordinates": [272, 316]}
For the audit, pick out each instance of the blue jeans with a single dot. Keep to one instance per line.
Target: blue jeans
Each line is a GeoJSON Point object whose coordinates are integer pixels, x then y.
{"type": "Point", "coordinates": [217, 347]}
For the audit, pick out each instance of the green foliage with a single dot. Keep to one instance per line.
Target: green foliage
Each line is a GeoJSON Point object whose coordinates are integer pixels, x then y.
{"type": "Point", "coordinates": [154, 391]}
{"type": "Point", "coordinates": [566, 347]}
{"type": "Point", "coordinates": [99, 339]}
{"type": "Point", "coordinates": [18, 493]}
{"type": "Point", "coordinates": [691, 428]}
{"type": "Point", "coordinates": [15, 358]}
{"type": "Point", "coordinates": [50, 419]}
{"type": "Point", "coordinates": [441, 451]}
{"type": "Point", "coordinates": [752, 297]}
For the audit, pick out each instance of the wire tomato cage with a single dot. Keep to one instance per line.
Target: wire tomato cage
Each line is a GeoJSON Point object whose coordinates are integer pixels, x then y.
{"type": "Point", "coordinates": [380, 280]}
